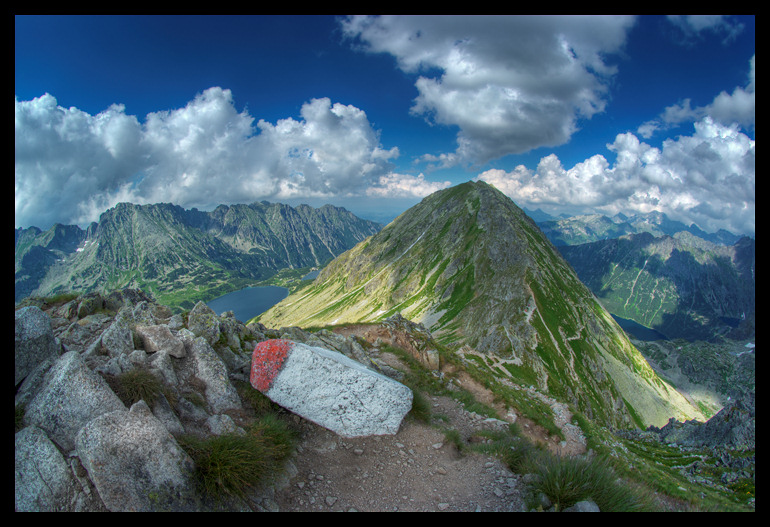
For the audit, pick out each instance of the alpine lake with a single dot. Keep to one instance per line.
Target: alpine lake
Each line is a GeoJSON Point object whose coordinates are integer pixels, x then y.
{"type": "Point", "coordinates": [249, 302]}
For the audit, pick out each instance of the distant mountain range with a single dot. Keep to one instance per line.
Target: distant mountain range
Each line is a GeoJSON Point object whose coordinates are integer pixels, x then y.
{"type": "Point", "coordinates": [478, 273]}
{"type": "Point", "coordinates": [681, 285]}
{"type": "Point", "coordinates": [586, 228]}
{"type": "Point", "coordinates": [180, 255]}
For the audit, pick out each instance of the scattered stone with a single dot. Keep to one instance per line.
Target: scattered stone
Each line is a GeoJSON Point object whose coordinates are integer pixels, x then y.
{"type": "Point", "coordinates": [583, 506]}
{"type": "Point", "coordinates": [329, 388]}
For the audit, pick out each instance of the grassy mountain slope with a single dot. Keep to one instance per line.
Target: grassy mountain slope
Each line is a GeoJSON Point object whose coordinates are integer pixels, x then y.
{"type": "Point", "coordinates": [473, 268]}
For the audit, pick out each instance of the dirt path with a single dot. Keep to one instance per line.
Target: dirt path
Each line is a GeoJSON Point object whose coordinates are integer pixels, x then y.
{"type": "Point", "coordinates": [413, 470]}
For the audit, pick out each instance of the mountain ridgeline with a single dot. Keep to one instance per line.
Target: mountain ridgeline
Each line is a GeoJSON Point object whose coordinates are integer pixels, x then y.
{"type": "Point", "coordinates": [470, 266]}
{"type": "Point", "coordinates": [681, 285]}
{"type": "Point", "coordinates": [180, 255]}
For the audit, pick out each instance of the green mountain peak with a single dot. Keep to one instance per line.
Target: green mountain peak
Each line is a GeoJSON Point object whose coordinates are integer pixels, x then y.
{"type": "Point", "coordinates": [469, 265]}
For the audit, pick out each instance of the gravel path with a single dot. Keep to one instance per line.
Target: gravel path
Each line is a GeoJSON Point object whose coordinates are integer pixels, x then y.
{"type": "Point", "coordinates": [413, 470]}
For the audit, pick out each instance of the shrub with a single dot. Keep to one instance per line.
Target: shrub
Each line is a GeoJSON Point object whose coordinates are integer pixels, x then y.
{"type": "Point", "coordinates": [420, 407]}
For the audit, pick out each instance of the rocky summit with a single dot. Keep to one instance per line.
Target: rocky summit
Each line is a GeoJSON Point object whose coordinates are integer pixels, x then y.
{"type": "Point", "coordinates": [479, 274]}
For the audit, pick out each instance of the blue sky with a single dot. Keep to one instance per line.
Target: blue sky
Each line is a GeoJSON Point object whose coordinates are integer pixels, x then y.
{"type": "Point", "coordinates": [567, 114]}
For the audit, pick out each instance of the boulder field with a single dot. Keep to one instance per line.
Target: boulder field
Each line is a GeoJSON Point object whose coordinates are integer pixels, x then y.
{"type": "Point", "coordinates": [82, 446]}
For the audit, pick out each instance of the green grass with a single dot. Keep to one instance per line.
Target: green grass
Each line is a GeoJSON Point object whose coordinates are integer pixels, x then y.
{"type": "Point", "coordinates": [136, 385]}
{"type": "Point", "coordinates": [232, 465]}
{"type": "Point", "coordinates": [564, 480]}
{"type": "Point", "coordinates": [567, 480]}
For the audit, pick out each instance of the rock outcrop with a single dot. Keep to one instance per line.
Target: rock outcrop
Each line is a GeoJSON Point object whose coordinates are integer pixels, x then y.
{"type": "Point", "coordinates": [83, 445]}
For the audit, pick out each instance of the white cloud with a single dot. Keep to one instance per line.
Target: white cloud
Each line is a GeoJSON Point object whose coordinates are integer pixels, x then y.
{"type": "Point", "coordinates": [510, 83]}
{"type": "Point", "coordinates": [71, 166]}
{"type": "Point", "coordinates": [405, 186]}
{"type": "Point", "coordinates": [737, 107]}
{"type": "Point", "coordinates": [692, 26]}
{"type": "Point", "coordinates": [707, 178]}
{"type": "Point", "coordinates": [64, 155]}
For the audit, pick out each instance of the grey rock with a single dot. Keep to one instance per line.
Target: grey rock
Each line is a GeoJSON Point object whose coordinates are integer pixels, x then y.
{"type": "Point", "coordinates": [117, 338]}
{"type": "Point", "coordinates": [44, 482]}
{"type": "Point", "coordinates": [135, 463]}
{"type": "Point", "coordinates": [159, 337]}
{"type": "Point", "coordinates": [583, 506]}
{"type": "Point", "coordinates": [204, 322]}
{"type": "Point", "coordinates": [222, 424]}
{"type": "Point", "coordinates": [71, 396]}
{"type": "Point", "coordinates": [209, 368]}
{"type": "Point", "coordinates": [34, 341]}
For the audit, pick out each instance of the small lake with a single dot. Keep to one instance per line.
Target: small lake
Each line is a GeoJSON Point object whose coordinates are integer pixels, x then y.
{"type": "Point", "coordinates": [638, 331]}
{"type": "Point", "coordinates": [249, 302]}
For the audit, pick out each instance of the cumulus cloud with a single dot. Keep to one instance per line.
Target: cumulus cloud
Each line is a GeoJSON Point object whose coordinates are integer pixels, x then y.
{"type": "Point", "coordinates": [706, 178]}
{"type": "Point", "coordinates": [404, 185]}
{"type": "Point", "coordinates": [71, 166]}
{"type": "Point", "coordinates": [726, 108]}
{"type": "Point", "coordinates": [510, 83]}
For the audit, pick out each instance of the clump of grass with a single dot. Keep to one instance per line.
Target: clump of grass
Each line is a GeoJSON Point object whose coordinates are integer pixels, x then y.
{"type": "Point", "coordinates": [519, 454]}
{"type": "Point", "coordinates": [454, 437]}
{"type": "Point", "coordinates": [135, 385]}
{"type": "Point", "coordinates": [232, 465]}
{"type": "Point", "coordinates": [255, 399]}
{"type": "Point", "coordinates": [571, 479]}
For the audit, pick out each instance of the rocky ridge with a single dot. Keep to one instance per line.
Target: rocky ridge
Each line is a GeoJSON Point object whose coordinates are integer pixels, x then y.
{"type": "Point", "coordinates": [81, 447]}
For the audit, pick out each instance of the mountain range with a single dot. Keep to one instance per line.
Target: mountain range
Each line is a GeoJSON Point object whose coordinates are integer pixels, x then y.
{"type": "Point", "coordinates": [587, 228]}
{"type": "Point", "coordinates": [682, 286]}
{"type": "Point", "coordinates": [476, 271]}
{"type": "Point", "coordinates": [180, 255]}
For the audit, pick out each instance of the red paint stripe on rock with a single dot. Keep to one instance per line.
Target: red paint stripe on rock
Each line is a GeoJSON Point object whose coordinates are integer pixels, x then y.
{"type": "Point", "coordinates": [266, 362]}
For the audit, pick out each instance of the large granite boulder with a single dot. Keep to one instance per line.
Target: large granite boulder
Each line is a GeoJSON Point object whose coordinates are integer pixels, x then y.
{"type": "Point", "coordinates": [71, 395]}
{"type": "Point", "coordinates": [329, 389]}
{"type": "Point", "coordinates": [135, 464]}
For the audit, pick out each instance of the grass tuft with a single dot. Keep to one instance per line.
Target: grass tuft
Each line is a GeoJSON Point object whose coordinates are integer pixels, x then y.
{"type": "Point", "coordinates": [568, 480]}
{"type": "Point", "coordinates": [232, 465]}
{"type": "Point", "coordinates": [136, 385]}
